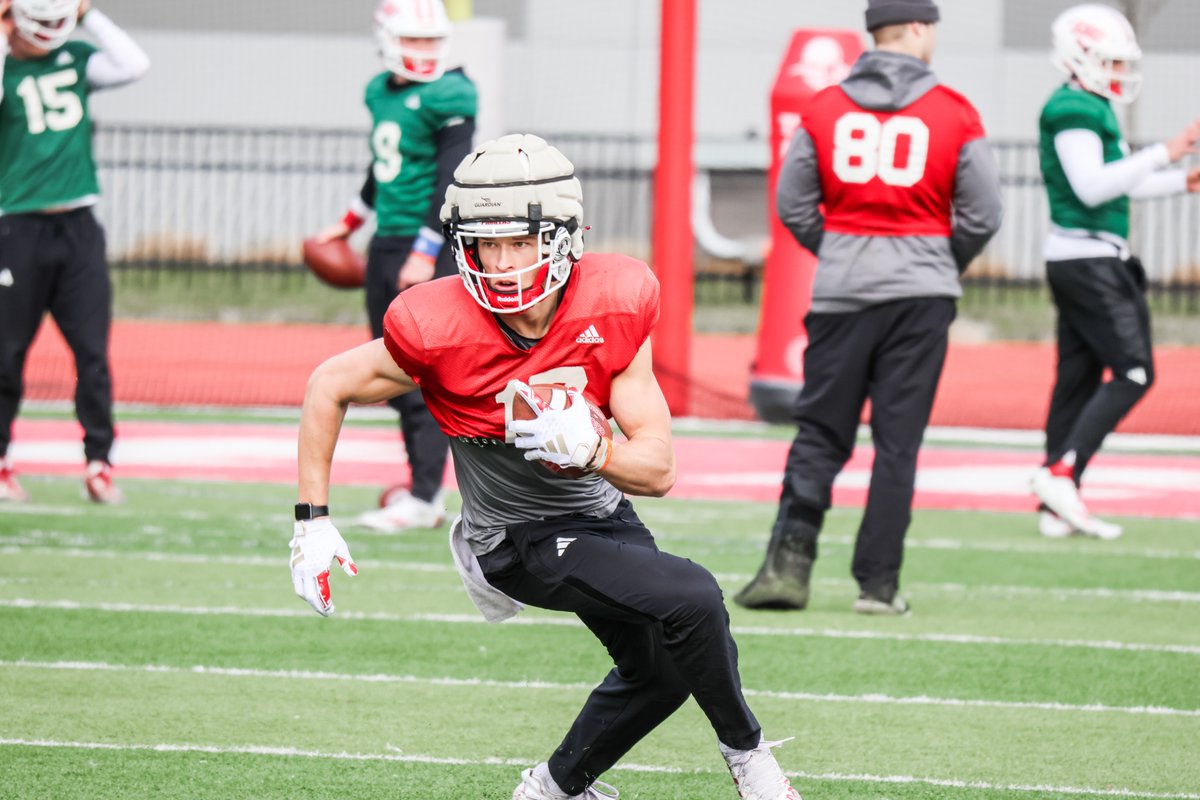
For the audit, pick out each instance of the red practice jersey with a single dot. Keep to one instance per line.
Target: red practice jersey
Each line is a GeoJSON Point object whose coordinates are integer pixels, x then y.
{"type": "Point", "coordinates": [455, 350]}
{"type": "Point", "coordinates": [890, 173]}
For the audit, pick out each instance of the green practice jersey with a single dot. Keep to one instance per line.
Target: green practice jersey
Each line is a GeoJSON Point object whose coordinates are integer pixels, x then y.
{"type": "Point", "coordinates": [46, 132]}
{"type": "Point", "coordinates": [1070, 109]}
{"type": "Point", "coordinates": [406, 120]}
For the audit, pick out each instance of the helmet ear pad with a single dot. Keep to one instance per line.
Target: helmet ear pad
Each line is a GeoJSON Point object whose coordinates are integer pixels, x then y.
{"type": "Point", "coordinates": [561, 246]}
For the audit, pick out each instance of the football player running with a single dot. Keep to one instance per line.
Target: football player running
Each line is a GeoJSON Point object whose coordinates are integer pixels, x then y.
{"type": "Point", "coordinates": [537, 309]}
{"type": "Point", "coordinates": [423, 121]}
{"type": "Point", "coordinates": [891, 183]}
{"type": "Point", "coordinates": [52, 254]}
{"type": "Point", "coordinates": [1098, 286]}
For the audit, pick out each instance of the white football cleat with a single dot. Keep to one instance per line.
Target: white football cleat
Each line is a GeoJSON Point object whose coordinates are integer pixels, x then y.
{"type": "Point", "coordinates": [10, 487]}
{"type": "Point", "coordinates": [1052, 526]}
{"type": "Point", "coordinates": [534, 786]}
{"type": "Point", "coordinates": [406, 513]}
{"type": "Point", "coordinates": [1100, 529]}
{"type": "Point", "coordinates": [98, 484]}
{"type": "Point", "coordinates": [757, 774]}
{"type": "Point", "coordinates": [1059, 494]}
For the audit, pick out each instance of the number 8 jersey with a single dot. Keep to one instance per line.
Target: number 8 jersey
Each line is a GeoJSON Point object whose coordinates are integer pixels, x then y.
{"type": "Point", "coordinates": [891, 183]}
{"type": "Point", "coordinates": [45, 132]}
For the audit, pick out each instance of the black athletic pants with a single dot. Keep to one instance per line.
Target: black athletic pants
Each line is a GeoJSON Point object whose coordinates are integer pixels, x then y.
{"type": "Point", "coordinates": [1103, 321]}
{"type": "Point", "coordinates": [891, 354]}
{"type": "Point", "coordinates": [56, 263]}
{"type": "Point", "coordinates": [427, 446]}
{"type": "Point", "coordinates": [661, 617]}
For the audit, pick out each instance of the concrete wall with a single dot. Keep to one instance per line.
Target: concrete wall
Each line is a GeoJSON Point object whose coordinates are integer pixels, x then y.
{"type": "Point", "coordinates": [585, 65]}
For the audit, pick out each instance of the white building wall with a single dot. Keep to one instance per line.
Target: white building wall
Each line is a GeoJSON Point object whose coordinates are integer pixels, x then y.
{"type": "Point", "coordinates": [578, 66]}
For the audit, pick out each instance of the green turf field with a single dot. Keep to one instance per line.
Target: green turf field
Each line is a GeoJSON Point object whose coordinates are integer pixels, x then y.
{"type": "Point", "coordinates": [156, 650]}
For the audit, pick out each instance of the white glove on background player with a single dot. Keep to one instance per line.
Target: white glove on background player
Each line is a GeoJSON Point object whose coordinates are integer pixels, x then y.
{"type": "Point", "coordinates": [315, 544]}
{"type": "Point", "coordinates": [563, 437]}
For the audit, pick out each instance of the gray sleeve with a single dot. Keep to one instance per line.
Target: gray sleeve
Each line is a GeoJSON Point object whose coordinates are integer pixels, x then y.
{"type": "Point", "coordinates": [798, 193]}
{"type": "Point", "coordinates": [978, 209]}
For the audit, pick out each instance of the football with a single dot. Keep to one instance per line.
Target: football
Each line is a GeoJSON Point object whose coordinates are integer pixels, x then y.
{"type": "Point", "coordinates": [554, 396]}
{"type": "Point", "coordinates": [335, 263]}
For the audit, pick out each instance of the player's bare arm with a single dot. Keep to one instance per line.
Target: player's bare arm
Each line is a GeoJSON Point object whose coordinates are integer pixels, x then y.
{"type": "Point", "coordinates": [366, 374]}
{"type": "Point", "coordinates": [645, 464]}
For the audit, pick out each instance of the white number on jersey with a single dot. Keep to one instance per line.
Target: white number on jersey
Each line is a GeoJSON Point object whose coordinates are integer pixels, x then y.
{"type": "Point", "coordinates": [863, 148]}
{"type": "Point", "coordinates": [571, 377]}
{"type": "Point", "coordinates": [47, 106]}
{"type": "Point", "coordinates": [385, 141]}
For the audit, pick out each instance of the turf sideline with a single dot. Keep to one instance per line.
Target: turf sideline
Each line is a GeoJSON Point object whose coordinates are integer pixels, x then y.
{"type": "Point", "coordinates": [563, 621]}
{"type": "Point", "coordinates": [291, 752]}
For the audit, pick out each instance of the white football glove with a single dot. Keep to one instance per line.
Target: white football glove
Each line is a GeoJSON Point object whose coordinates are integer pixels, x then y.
{"type": "Point", "coordinates": [315, 544]}
{"type": "Point", "coordinates": [563, 437]}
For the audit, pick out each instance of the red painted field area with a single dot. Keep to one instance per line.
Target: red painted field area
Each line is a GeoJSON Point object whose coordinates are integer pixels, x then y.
{"type": "Point", "coordinates": [709, 468]}
{"type": "Point", "coordinates": [1002, 385]}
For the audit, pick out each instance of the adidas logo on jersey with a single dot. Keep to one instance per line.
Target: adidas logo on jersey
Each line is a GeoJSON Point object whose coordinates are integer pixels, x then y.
{"type": "Point", "coordinates": [6, 277]}
{"type": "Point", "coordinates": [63, 59]}
{"type": "Point", "coordinates": [563, 544]}
{"type": "Point", "coordinates": [590, 336]}
{"type": "Point", "coordinates": [413, 102]}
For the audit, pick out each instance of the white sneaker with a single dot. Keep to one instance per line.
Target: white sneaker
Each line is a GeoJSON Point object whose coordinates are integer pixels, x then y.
{"type": "Point", "coordinates": [756, 773]}
{"type": "Point", "coordinates": [10, 488]}
{"type": "Point", "coordinates": [1059, 494]}
{"type": "Point", "coordinates": [98, 484]}
{"type": "Point", "coordinates": [1052, 526]}
{"type": "Point", "coordinates": [534, 786]}
{"type": "Point", "coordinates": [405, 513]}
{"type": "Point", "coordinates": [1100, 529]}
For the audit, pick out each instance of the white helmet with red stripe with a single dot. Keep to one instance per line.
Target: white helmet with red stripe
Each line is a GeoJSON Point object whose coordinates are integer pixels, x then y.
{"type": "Point", "coordinates": [1089, 40]}
{"type": "Point", "coordinates": [46, 24]}
{"type": "Point", "coordinates": [517, 185]}
{"type": "Point", "coordinates": [399, 24]}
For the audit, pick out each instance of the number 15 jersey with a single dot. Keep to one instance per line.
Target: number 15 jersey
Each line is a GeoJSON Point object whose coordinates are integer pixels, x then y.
{"type": "Point", "coordinates": [46, 132]}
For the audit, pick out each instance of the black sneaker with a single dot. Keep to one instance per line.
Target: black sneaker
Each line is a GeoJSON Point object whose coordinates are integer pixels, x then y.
{"type": "Point", "coordinates": [868, 603]}
{"type": "Point", "coordinates": [781, 584]}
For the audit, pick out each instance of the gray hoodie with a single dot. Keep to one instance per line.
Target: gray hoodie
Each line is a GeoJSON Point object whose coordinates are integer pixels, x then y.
{"type": "Point", "coordinates": [855, 272]}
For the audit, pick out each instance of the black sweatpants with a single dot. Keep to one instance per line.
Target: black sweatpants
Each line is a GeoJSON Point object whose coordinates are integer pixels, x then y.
{"type": "Point", "coordinates": [1103, 321]}
{"type": "Point", "coordinates": [427, 446]}
{"type": "Point", "coordinates": [661, 617]}
{"type": "Point", "coordinates": [891, 354]}
{"type": "Point", "coordinates": [56, 263]}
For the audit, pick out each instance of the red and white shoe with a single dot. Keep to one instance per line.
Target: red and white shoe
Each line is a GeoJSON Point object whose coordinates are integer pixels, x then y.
{"type": "Point", "coordinates": [756, 773]}
{"type": "Point", "coordinates": [99, 484]}
{"type": "Point", "coordinates": [10, 488]}
{"type": "Point", "coordinates": [405, 513]}
{"type": "Point", "coordinates": [1055, 487]}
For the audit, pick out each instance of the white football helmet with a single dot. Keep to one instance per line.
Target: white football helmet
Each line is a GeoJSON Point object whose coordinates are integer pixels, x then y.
{"type": "Point", "coordinates": [46, 24]}
{"type": "Point", "coordinates": [517, 185]}
{"type": "Point", "coordinates": [1088, 39]}
{"type": "Point", "coordinates": [396, 20]}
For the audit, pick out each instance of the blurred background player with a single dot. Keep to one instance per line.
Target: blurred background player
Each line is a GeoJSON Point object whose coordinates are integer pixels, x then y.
{"type": "Point", "coordinates": [529, 314]}
{"type": "Point", "coordinates": [52, 250]}
{"type": "Point", "coordinates": [423, 121]}
{"type": "Point", "coordinates": [891, 183]}
{"type": "Point", "coordinates": [1098, 286]}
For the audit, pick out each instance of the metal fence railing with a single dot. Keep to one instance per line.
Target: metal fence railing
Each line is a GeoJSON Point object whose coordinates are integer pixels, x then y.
{"type": "Point", "coordinates": [235, 199]}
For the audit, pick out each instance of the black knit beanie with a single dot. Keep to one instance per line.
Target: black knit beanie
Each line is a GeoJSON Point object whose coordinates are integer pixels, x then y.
{"type": "Point", "coordinates": [896, 12]}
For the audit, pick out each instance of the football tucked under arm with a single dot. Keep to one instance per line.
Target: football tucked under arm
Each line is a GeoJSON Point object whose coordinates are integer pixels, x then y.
{"type": "Point", "coordinates": [557, 426]}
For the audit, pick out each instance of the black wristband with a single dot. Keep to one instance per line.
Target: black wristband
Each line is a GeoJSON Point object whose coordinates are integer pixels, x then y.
{"type": "Point", "coordinates": [307, 511]}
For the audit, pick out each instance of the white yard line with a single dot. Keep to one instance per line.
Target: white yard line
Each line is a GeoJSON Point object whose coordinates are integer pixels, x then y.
{"type": "Point", "coordinates": [266, 562]}
{"type": "Point", "coordinates": [528, 619]}
{"type": "Point", "coordinates": [412, 758]}
{"type": "Point", "coordinates": [868, 699]}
